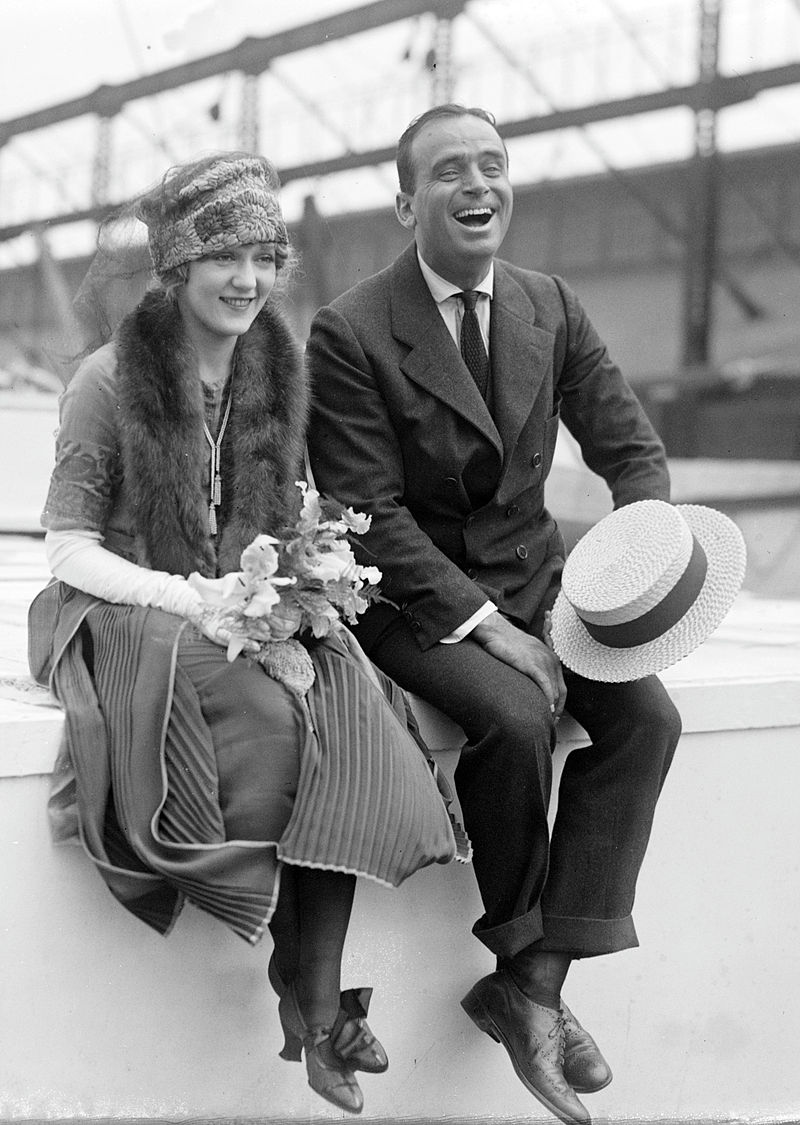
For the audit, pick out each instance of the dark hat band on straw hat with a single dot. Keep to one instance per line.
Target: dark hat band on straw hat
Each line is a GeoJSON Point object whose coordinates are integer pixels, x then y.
{"type": "Point", "coordinates": [662, 616]}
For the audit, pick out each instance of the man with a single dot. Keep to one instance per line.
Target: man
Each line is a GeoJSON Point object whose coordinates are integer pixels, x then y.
{"type": "Point", "coordinates": [438, 413]}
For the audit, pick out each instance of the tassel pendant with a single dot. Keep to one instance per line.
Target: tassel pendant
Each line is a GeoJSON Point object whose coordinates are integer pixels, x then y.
{"type": "Point", "coordinates": [215, 474]}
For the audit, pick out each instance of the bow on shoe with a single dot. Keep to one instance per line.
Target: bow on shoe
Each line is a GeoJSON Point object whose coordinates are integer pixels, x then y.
{"type": "Point", "coordinates": [352, 1036]}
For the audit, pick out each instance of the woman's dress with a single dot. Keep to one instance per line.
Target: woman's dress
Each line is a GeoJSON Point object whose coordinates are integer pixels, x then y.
{"type": "Point", "coordinates": [187, 777]}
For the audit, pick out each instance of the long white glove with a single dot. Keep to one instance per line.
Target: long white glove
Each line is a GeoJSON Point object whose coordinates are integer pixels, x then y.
{"type": "Point", "coordinates": [78, 558]}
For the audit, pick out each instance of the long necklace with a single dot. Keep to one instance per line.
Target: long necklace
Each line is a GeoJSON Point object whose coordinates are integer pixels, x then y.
{"type": "Point", "coordinates": [215, 478]}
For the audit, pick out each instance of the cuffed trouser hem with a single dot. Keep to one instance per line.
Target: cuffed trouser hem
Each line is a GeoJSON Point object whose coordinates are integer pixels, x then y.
{"type": "Point", "coordinates": [581, 937]}
{"type": "Point", "coordinates": [509, 938]}
{"type": "Point", "coordinates": [587, 937]}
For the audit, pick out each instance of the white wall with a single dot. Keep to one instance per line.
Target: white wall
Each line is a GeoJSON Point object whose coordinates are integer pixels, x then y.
{"type": "Point", "coordinates": [102, 1017]}
{"type": "Point", "coordinates": [27, 444]}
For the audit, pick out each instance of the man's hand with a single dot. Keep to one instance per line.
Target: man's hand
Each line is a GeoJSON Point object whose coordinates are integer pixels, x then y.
{"type": "Point", "coordinates": [527, 654]}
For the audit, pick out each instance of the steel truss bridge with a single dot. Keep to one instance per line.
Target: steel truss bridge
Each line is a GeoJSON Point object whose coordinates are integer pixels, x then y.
{"type": "Point", "coordinates": [705, 96]}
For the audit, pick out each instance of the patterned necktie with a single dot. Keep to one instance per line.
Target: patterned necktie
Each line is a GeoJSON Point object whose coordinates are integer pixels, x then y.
{"type": "Point", "coordinates": [472, 348]}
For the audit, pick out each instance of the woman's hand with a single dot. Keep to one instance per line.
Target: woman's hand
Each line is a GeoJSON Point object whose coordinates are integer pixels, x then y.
{"type": "Point", "coordinates": [211, 624]}
{"type": "Point", "coordinates": [281, 624]}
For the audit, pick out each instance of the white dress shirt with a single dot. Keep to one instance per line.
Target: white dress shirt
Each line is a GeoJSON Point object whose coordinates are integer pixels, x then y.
{"type": "Point", "coordinates": [451, 309]}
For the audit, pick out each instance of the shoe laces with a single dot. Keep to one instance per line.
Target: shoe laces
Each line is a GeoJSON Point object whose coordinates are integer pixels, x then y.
{"type": "Point", "coordinates": [557, 1033]}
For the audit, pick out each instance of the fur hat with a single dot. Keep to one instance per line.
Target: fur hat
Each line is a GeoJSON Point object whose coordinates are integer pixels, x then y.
{"type": "Point", "coordinates": [645, 587]}
{"type": "Point", "coordinates": [211, 205]}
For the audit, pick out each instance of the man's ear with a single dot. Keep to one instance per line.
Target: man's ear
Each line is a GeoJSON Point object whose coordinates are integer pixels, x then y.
{"type": "Point", "coordinates": [404, 209]}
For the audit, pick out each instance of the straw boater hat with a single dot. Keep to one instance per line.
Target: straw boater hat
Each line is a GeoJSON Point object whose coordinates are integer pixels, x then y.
{"type": "Point", "coordinates": [644, 588]}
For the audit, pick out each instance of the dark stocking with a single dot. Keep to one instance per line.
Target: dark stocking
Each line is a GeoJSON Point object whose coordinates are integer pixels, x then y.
{"type": "Point", "coordinates": [324, 901]}
{"type": "Point", "coordinates": [285, 926]}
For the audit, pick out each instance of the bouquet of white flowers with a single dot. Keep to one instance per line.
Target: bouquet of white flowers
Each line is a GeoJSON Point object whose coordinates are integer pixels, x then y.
{"type": "Point", "coordinates": [308, 578]}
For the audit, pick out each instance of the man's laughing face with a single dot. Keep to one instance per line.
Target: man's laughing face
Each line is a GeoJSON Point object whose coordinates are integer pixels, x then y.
{"type": "Point", "coordinates": [462, 200]}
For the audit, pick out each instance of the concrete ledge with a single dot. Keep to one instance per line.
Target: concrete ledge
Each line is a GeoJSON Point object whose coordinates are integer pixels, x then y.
{"type": "Point", "coordinates": [30, 729]}
{"type": "Point", "coordinates": [105, 1020]}
{"type": "Point", "coordinates": [747, 676]}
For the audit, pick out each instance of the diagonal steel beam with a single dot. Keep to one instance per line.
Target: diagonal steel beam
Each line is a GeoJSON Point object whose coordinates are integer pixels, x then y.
{"type": "Point", "coordinates": [727, 90]}
{"type": "Point", "coordinates": [251, 56]}
{"type": "Point", "coordinates": [660, 215]}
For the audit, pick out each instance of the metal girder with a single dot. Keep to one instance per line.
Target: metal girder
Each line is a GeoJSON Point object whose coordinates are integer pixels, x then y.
{"type": "Point", "coordinates": [725, 90]}
{"type": "Point", "coordinates": [249, 115]}
{"type": "Point", "coordinates": [251, 56]}
{"type": "Point", "coordinates": [101, 165]}
{"type": "Point", "coordinates": [703, 202]}
{"type": "Point", "coordinates": [441, 62]}
{"type": "Point", "coordinates": [627, 180]}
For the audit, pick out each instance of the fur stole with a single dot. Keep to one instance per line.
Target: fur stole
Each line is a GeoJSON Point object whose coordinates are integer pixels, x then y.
{"type": "Point", "coordinates": [165, 453]}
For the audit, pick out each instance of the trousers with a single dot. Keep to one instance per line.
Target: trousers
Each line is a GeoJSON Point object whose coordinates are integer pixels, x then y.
{"type": "Point", "coordinates": [571, 890]}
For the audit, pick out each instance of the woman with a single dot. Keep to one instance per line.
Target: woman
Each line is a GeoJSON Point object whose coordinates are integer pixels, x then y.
{"type": "Point", "coordinates": [188, 776]}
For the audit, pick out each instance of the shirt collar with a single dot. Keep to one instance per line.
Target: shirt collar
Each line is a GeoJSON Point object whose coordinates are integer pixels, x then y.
{"type": "Point", "coordinates": [441, 289]}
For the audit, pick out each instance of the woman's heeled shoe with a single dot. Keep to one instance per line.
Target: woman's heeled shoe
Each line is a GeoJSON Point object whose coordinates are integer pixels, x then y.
{"type": "Point", "coordinates": [351, 1035]}
{"type": "Point", "coordinates": [328, 1075]}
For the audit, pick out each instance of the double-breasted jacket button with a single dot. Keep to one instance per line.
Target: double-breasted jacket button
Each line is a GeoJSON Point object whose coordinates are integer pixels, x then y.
{"type": "Point", "coordinates": [472, 572]}
{"type": "Point", "coordinates": [415, 625]}
{"type": "Point", "coordinates": [512, 510]}
{"type": "Point", "coordinates": [451, 481]}
{"type": "Point", "coordinates": [522, 551]}
{"type": "Point", "coordinates": [536, 460]}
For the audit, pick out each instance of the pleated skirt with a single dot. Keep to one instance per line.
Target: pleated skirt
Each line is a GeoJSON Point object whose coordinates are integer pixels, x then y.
{"type": "Point", "coordinates": [191, 778]}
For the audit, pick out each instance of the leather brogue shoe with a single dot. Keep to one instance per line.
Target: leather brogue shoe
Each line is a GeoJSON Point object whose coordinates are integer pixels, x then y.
{"type": "Point", "coordinates": [534, 1038]}
{"type": "Point", "coordinates": [584, 1067]}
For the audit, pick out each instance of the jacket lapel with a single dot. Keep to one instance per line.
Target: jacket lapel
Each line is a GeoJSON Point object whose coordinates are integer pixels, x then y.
{"type": "Point", "coordinates": [522, 355]}
{"type": "Point", "coordinates": [433, 362]}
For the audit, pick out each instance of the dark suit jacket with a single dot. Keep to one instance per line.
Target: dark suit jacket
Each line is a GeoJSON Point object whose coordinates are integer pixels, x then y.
{"type": "Point", "coordinates": [456, 493]}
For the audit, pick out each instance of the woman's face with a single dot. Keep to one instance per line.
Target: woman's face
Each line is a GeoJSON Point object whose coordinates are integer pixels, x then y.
{"type": "Point", "coordinates": [226, 291]}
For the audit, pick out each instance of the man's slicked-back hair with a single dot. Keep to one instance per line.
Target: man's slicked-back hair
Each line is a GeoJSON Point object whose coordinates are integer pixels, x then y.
{"type": "Point", "coordinates": [406, 173]}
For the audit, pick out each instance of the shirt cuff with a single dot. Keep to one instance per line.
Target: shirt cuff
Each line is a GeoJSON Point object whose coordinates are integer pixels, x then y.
{"type": "Point", "coordinates": [467, 627]}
